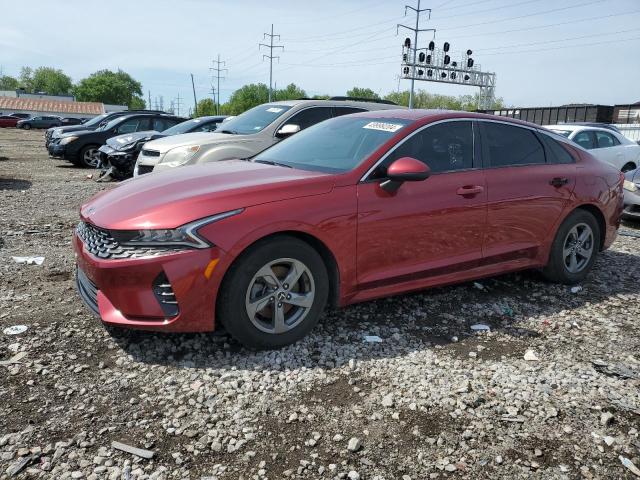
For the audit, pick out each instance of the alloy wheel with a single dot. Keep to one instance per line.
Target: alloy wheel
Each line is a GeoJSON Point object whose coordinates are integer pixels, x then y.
{"type": "Point", "coordinates": [91, 157]}
{"type": "Point", "coordinates": [280, 295]}
{"type": "Point", "coordinates": [578, 248]}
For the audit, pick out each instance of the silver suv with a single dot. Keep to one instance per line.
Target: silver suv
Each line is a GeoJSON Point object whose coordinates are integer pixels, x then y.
{"type": "Point", "coordinates": [248, 134]}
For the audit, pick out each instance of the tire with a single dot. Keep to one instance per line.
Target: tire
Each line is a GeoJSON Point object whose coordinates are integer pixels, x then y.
{"type": "Point", "coordinates": [26, 126]}
{"type": "Point", "coordinates": [256, 283]}
{"type": "Point", "coordinates": [567, 260]}
{"type": "Point", "coordinates": [86, 154]}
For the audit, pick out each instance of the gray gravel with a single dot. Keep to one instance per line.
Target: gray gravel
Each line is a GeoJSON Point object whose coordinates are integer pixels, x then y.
{"type": "Point", "coordinates": [432, 400]}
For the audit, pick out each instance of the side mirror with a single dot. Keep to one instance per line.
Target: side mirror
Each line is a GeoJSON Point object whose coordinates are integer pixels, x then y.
{"type": "Point", "coordinates": [288, 129]}
{"type": "Point", "coordinates": [405, 169]}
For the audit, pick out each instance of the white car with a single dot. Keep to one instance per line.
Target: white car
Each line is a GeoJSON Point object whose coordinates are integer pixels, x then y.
{"type": "Point", "coordinates": [603, 143]}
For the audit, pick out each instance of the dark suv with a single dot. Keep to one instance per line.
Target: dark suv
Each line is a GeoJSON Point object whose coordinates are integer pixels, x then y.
{"type": "Point", "coordinates": [81, 147]}
{"type": "Point", "coordinates": [91, 124]}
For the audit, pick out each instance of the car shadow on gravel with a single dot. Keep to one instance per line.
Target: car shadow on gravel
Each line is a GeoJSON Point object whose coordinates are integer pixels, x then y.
{"type": "Point", "coordinates": [14, 184]}
{"type": "Point", "coordinates": [439, 318]}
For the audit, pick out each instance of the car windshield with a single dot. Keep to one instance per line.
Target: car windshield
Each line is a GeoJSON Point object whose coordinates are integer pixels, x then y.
{"type": "Point", "coordinates": [564, 133]}
{"type": "Point", "coordinates": [254, 120]}
{"type": "Point", "coordinates": [95, 120]}
{"type": "Point", "coordinates": [183, 127]}
{"type": "Point", "coordinates": [334, 146]}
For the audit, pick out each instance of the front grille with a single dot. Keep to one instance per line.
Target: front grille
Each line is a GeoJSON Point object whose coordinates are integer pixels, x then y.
{"type": "Point", "coordinates": [150, 153]}
{"type": "Point", "coordinates": [142, 169]}
{"type": "Point", "coordinates": [100, 243]}
{"type": "Point", "coordinates": [88, 290]}
{"type": "Point", "coordinates": [163, 291]}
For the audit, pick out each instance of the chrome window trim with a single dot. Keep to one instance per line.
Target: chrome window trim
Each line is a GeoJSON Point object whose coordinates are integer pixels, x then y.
{"type": "Point", "coordinates": [364, 179]}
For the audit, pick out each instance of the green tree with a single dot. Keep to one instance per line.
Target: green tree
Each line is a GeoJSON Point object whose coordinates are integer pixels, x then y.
{"type": "Point", "coordinates": [116, 88]}
{"type": "Point", "coordinates": [321, 97]}
{"type": "Point", "coordinates": [358, 92]}
{"type": "Point", "coordinates": [206, 107]}
{"type": "Point", "coordinates": [137, 103]}
{"type": "Point", "coordinates": [26, 78]}
{"type": "Point", "coordinates": [423, 99]}
{"type": "Point", "coordinates": [245, 98]}
{"type": "Point", "coordinates": [291, 92]}
{"type": "Point", "coordinates": [51, 81]}
{"type": "Point", "coordinates": [8, 83]}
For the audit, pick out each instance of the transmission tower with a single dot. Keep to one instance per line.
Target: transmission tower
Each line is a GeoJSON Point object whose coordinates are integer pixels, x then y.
{"type": "Point", "coordinates": [270, 46]}
{"type": "Point", "coordinates": [415, 31]}
{"type": "Point", "coordinates": [216, 74]}
{"type": "Point", "coordinates": [177, 105]}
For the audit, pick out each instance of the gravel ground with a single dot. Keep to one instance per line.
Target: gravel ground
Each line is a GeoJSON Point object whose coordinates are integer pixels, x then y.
{"type": "Point", "coordinates": [552, 391]}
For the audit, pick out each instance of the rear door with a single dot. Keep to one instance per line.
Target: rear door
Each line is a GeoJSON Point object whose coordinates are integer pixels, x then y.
{"type": "Point", "coordinates": [528, 187]}
{"type": "Point", "coordinates": [609, 149]}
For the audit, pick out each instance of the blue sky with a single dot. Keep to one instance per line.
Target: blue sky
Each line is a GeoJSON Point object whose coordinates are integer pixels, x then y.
{"type": "Point", "coordinates": [544, 52]}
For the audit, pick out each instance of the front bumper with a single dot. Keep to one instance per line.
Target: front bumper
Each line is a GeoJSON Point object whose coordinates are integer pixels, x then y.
{"type": "Point", "coordinates": [117, 158]}
{"type": "Point", "coordinates": [631, 205]}
{"type": "Point", "coordinates": [123, 291]}
{"type": "Point", "coordinates": [57, 151]}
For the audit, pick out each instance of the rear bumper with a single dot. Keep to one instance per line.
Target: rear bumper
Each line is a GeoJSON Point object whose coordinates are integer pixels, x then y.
{"type": "Point", "coordinates": [122, 291]}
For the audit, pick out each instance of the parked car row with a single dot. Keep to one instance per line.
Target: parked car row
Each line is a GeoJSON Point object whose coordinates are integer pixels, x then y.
{"type": "Point", "coordinates": [27, 121]}
{"type": "Point", "coordinates": [320, 208]}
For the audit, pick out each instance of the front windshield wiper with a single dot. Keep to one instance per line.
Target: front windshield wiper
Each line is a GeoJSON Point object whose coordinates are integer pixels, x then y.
{"type": "Point", "coordinates": [231, 132]}
{"type": "Point", "coordinates": [271, 162]}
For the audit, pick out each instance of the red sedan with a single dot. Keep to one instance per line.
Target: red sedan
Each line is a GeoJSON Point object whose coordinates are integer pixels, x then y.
{"type": "Point", "coordinates": [354, 208]}
{"type": "Point", "coordinates": [8, 121]}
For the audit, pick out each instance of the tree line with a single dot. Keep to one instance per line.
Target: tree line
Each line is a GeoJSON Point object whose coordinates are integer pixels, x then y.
{"type": "Point", "coordinates": [119, 88]}
{"type": "Point", "coordinates": [255, 94]}
{"type": "Point", "coordinates": [104, 86]}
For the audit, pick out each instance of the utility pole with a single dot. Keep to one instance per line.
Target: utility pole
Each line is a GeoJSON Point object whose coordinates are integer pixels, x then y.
{"type": "Point", "coordinates": [178, 105]}
{"type": "Point", "coordinates": [415, 41]}
{"type": "Point", "coordinates": [217, 71]}
{"type": "Point", "coordinates": [149, 107]}
{"type": "Point", "coordinates": [161, 103]}
{"type": "Point", "coordinates": [195, 100]}
{"type": "Point", "coordinates": [271, 46]}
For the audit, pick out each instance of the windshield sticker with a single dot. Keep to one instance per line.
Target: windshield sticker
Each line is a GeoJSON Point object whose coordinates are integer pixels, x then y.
{"type": "Point", "coordinates": [274, 110]}
{"type": "Point", "coordinates": [385, 127]}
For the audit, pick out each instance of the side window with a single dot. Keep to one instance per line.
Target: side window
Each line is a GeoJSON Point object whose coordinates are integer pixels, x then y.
{"type": "Point", "coordinates": [208, 127]}
{"type": "Point", "coordinates": [339, 111]}
{"type": "Point", "coordinates": [310, 116]}
{"type": "Point", "coordinates": [557, 152]}
{"type": "Point", "coordinates": [161, 124]}
{"type": "Point", "coordinates": [129, 126]}
{"type": "Point", "coordinates": [508, 145]}
{"type": "Point", "coordinates": [443, 147]}
{"type": "Point", "coordinates": [606, 140]}
{"type": "Point", "coordinates": [585, 140]}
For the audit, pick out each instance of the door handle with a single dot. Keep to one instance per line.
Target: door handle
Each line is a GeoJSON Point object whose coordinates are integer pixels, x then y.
{"type": "Point", "coordinates": [470, 190]}
{"type": "Point", "coordinates": [558, 181]}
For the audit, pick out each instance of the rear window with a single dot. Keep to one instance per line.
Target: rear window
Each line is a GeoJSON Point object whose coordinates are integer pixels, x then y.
{"type": "Point", "coordinates": [509, 145]}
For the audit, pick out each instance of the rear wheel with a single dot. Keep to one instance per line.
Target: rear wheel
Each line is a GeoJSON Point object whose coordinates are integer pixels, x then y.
{"type": "Point", "coordinates": [89, 156]}
{"type": "Point", "coordinates": [274, 294]}
{"type": "Point", "coordinates": [574, 249]}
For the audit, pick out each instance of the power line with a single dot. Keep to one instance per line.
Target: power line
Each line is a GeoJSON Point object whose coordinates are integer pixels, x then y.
{"type": "Point", "coordinates": [217, 71]}
{"type": "Point", "coordinates": [270, 46]}
{"type": "Point", "coordinates": [537, 27]}
{"type": "Point", "coordinates": [502, 7]}
{"type": "Point", "coordinates": [581, 5]}
{"type": "Point", "coordinates": [563, 47]}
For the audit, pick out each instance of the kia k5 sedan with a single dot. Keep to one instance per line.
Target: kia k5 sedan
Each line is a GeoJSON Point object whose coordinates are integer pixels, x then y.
{"type": "Point", "coordinates": [354, 208]}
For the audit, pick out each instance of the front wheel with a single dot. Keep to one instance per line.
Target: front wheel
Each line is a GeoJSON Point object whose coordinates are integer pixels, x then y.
{"type": "Point", "coordinates": [89, 156]}
{"type": "Point", "coordinates": [26, 126]}
{"type": "Point", "coordinates": [274, 294]}
{"type": "Point", "coordinates": [574, 249]}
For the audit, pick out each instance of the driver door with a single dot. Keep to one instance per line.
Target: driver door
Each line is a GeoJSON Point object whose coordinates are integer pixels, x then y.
{"type": "Point", "coordinates": [426, 228]}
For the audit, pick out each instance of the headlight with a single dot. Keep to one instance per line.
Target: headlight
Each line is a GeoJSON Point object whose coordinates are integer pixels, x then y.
{"type": "Point", "coordinates": [180, 156]}
{"type": "Point", "coordinates": [186, 235]}
{"type": "Point", "coordinates": [57, 133]}
{"type": "Point", "coordinates": [67, 140]}
{"type": "Point", "coordinates": [630, 186]}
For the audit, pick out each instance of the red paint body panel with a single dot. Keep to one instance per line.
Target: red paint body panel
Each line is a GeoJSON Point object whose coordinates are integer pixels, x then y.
{"type": "Point", "coordinates": [9, 122]}
{"type": "Point", "coordinates": [448, 228]}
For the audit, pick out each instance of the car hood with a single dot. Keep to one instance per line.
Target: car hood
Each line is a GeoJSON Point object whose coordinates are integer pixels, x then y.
{"type": "Point", "coordinates": [172, 198]}
{"type": "Point", "coordinates": [72, 128]}
{"type": "Point", "coordinates": [163, 145]}
{"type": "Point", "coordinates": [75, 133]}
{"type": "Point", "coordinates": [120, 140]}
